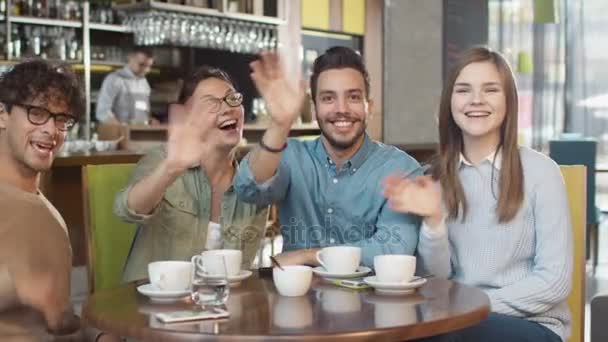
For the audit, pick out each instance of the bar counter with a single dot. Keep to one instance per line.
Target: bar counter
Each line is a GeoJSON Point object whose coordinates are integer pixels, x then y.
{"type": "Point", "coordinates": [97, 158]}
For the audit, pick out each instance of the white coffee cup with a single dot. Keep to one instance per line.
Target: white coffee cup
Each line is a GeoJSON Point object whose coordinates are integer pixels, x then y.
{"type": "Point", "coordinates": [337, 300]}
{"type": "Point", "coordinates": [170, 275]}
{"type": "Point", "coordinates": [340, 259]}
{"type": "Point", "coordinates": [292, 281]}
{"type": "Point", "coordinates": [211, 261]}
{"type": "Point", "coordinates": [394, 268]}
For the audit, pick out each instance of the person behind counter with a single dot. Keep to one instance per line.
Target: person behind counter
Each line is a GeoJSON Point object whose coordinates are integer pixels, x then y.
{"type": "Point", "coordinates": [181, 194]}
{"type": "Point", "coordinates": [125, 93]}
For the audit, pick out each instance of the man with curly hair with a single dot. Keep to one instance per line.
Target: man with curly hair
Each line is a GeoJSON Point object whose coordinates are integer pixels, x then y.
{"type": "Point", "coordinates": [39, 103]}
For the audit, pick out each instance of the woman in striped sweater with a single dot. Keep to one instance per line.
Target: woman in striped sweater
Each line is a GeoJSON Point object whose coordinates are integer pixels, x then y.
{"type": "Point", "coordinates": [495, 214]}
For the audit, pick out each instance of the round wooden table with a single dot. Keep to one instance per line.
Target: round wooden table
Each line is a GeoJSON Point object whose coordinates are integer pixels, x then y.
{"type": "Point", "coordinates": [326, 313]}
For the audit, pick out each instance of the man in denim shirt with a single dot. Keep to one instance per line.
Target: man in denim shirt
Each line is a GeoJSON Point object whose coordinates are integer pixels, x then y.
{"type": "Point", "coordinates": [328, 190]}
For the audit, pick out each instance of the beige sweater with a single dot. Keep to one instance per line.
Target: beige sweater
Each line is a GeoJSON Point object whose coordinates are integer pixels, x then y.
{"type": "Point", "coordinates": [33, 242]}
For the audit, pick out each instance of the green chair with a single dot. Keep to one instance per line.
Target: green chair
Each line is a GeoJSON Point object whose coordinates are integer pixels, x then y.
{"type": "Point", "coordinates": [108, 238]}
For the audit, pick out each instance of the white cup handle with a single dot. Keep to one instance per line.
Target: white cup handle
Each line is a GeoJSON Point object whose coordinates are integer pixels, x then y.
{"type": "Point", "coordinates": [318, 256]}
{"type": "Point", "coordinates": [197, 262]}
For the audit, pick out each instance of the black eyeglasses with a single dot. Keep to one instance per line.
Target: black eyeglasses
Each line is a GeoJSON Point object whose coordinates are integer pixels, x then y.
{"type": "Point", "coordinates": [233, 100]}
{"type": "Point", "coordinates": [39, 116]}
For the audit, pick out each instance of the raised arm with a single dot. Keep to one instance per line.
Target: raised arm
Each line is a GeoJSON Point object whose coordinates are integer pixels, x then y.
{"type": "Point", "coordinates": [185, 149]}
{"type": "Point", "coordinates": [284, 101]}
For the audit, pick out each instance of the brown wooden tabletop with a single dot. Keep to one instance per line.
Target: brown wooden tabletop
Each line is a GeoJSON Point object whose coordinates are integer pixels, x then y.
{"type": "Point", "coordinates": [326, 313]}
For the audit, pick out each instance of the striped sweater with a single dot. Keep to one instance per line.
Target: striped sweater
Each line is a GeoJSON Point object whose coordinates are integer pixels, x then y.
{"type": "Point", "coordinates": [525, 265]}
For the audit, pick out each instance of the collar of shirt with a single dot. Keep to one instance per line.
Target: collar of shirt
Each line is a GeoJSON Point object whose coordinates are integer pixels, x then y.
{"type": "Point", "coordinates": [355, 162]}
{"type": "Point", "coordinates": [489, 158]}
{"type": "Point", "coordinates": [128, 73]}
{"type": "Point", "coordinates": [230, 189]}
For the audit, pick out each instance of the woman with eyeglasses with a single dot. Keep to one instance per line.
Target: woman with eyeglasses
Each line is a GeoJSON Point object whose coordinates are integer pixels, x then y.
{"type": "Point", "coordinates": [181, 194]}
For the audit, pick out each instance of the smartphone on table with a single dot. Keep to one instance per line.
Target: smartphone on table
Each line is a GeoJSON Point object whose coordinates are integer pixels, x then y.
{"type": "Point", "coordinates": [191, 315]}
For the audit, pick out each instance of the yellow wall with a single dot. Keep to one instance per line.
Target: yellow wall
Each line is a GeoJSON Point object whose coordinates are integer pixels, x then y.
{"type": "Point", "coordinates": [315, 14]}
{"type": "Point", "coordinates": [353, 16]}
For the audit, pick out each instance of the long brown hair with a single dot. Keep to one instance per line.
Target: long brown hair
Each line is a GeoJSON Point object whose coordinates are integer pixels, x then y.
{"type": "Point", "coordinates": [447, 161]}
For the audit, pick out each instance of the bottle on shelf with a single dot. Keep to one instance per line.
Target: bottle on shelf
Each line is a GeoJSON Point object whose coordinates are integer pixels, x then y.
{"type": "Point", "coordinates": [3, 51]}
{"type": "Point", "coordinates": [32, 8]}
{"type": "Point", "coordinates": [39, 9]}
{"type": "Point", "coordinates": [54, 9]}
{"type": "Point", "coordinates": [15, 43]}
{"type": "Point", "coordinates": [61, 48]}
{"type": "Point", "coordinates": [16, 7]}
{"type": "Point", "coordinates": [70, 10]}
{"type": "Point", "coordinates": [34, 42]}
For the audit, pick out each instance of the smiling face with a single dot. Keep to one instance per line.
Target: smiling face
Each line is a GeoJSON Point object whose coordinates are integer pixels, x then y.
{"type": "Point", "coordinates": [229, 120]}
{"type": "Point", "coordinates": [31, 147]}
{"type": "Point", "coordinates": [342, 107]}
{"type": "Point", "coordinates": [478, 103]}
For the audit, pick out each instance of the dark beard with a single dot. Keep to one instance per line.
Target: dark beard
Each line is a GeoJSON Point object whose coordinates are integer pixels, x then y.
{"type": "Point", "coordinates": [342, 145]}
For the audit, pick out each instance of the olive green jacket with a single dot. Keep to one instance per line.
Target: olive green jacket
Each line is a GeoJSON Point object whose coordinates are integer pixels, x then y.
{"type": "Point", "coordinates": [177, 228]}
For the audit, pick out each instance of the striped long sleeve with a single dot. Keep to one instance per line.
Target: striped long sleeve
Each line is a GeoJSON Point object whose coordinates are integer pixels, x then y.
{"type": "Point", "coordinates": [524, 265]}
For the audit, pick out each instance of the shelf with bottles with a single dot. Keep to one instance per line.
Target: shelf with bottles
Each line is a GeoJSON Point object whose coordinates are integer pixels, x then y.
{"type": "Point", "coordinates": [65, 13]}
{"type": "Point", "coordinates": [33, 41]}
{"type": "Point", "coordinates": [45, 21]}
{"type": "Point", "coordinates": [103, 15]}
{"type": "Point", "coordinates": [73, 63]}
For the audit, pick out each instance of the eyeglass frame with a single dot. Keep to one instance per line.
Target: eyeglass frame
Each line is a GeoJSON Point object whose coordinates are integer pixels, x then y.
{"type": "Point", "coordinates": [224, 100]}
{"type": "Point", "coordinates": [50, 114]}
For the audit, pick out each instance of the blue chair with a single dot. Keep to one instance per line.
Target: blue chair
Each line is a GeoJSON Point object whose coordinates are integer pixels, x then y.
{"type": "Point", "coordinates": [572, 149]}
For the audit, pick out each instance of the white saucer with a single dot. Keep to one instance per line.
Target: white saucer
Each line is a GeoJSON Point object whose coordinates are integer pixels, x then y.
{"type": "Point", "coordinates": [360, 272]}
{"type": "Point", "coordinates": [394, 288]}
{"type": "Point", "coordinates": [235, 279]}
{"type": "Point", "coordinates": [162, 296]}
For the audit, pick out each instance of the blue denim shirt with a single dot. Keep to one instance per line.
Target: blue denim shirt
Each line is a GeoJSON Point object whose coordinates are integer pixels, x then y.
{"type": "Point", "coordinates": [320, 205]}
